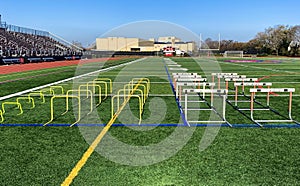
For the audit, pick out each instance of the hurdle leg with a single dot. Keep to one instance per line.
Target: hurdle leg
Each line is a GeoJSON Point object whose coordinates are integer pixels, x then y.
{"type": "Point", "coordinates": [42, 97]}
{"type": "Point", "coordinates": [203, 90]}
{"type": "Point", "coordinates": [290, 106]}
{"type": "Point", "coordinates": [1, 116]}
{"type": "Point", "coordinates": [212, 99]}
{"type": "Point", "coordinates": [226, 85]}
{"type": "Point", "coordinates": [20, 107]}
{"type": "Point", "coordinates": [224, 110]}
{"type": "Point", "coordinates": [32, 101]}
{"type": "Point", "coordinates": [185, 106]}
{"type": "Point", "coordinates": [254, 92]}
{"type": "Point", "coordinates": [224, 106]}
{"type": "Point", "coordinates": [51, 112]}
{"type": "Point", "coordinates": [268, 99]}
{"type": "Point", "coordinates": [91, 105]}
{"type": "Point", "coordinates": [99, 102]}
{"type": "Point", "coordinates": [141, 110]}
{"type": "Point", "coordinates": [67, 102]}
{"type": "Point", "coordinates": [112, 106]}
{"type": "Point", "coordinates": [252, 105]}
{"type": "Point", "coordinates": [243, 87]}
{"type": "Point", "coordinates": [179, 92]}
{"type": "Point", "coordinates": [79, 114]}
{"type": "Point", "coordinates": [236, 95]}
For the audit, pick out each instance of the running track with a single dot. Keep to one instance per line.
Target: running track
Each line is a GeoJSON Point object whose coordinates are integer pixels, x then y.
{"type": "Point", "coordinates": [8, 69]}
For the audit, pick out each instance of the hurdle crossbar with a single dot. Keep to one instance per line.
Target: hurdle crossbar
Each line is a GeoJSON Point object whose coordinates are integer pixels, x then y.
{"type": "Point", "coordinates": [179, 69]}
{"type": "Point", "coordinates": [183, 73]}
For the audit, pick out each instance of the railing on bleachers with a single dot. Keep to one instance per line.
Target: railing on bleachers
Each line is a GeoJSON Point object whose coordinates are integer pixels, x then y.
{"type": "Point", "coordinates": [16, 41]}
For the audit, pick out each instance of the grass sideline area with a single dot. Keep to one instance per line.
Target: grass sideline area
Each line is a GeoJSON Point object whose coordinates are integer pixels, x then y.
{"type": "Point", "coordinates": [238, 156]}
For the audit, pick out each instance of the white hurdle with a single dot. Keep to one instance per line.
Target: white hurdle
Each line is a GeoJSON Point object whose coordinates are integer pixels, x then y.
{"type": "Point", "coordinates": [222, 93]}
{"type": "Point", "coordinates": [243, 80]}
{"type": "Point", "coordinates": [248, 84]}
{"type": "Point", "coordinates": [197, 85]}
{"type": "Point", "coordinates": [213, 75]}
{"type": "Point", "coordinates": [183, 73]}
{"type": "Point", "coordinates": [253, 91]}
{"type": "Point", "coordinates": [177, 78]}
{"type": "Point", "coordinates": [179, 69]}
{"type": "Point", "coordinates": [188, 80]}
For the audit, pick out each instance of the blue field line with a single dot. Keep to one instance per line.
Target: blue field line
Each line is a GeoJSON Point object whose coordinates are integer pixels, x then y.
{"type": "Point", "coordinates": [177, 100]}
{"type": "Point", "coordinates": [157, 125]}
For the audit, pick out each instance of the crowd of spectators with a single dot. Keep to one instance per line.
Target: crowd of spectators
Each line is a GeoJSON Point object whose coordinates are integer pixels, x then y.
{"type": "Point", "coordinates": [17, 44]}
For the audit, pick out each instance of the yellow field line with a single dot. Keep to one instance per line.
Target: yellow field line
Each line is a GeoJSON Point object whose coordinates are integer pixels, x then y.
{"type": "Point", "coordinates": [92, 147]}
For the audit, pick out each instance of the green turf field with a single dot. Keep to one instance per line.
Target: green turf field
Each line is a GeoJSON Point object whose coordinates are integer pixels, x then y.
{"type": "Point", "coordinates": [236, 156]}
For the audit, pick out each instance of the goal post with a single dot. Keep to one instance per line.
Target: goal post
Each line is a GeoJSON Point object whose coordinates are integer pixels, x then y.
{"type": "Point", "coordinates": [234, 53]}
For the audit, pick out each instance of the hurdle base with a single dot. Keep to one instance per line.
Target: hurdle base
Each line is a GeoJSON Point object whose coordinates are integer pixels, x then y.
{"type": "Point", "coordinates": [211, 122]}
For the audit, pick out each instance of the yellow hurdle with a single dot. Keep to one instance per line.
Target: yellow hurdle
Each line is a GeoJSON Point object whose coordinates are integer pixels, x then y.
{"type": "Point", "coordinates": [52, 88]}
{"type": "Point", "coordinates": [136, 96]}
{"type": "Point", "coordinates": [1, 116]}
{"type": "Point", "coordinates": [40, 93]}
{"type": "Point", "coordinates": [67, 100]}
{"type": "Point", "coordinates": [141, 80]}
{"type": "Point", "coordinates": [87, 89]}
{"type": "Point", "coordinates": [30, 100]}
{"type": "Point", "coordinates": [143, 83]}
{"type": "Point", "coordinates": [95, 82]}
{"type": "Point", "coordinates": [106, 79]}
{"type": "Point", "coordinates": [130, 93]}
{"type": "Point", "coordinates": [12, 103]}
{"type": "Point", "coordinates": [65, 97]}
{"type": "Point", "coordinates": [145, 94]}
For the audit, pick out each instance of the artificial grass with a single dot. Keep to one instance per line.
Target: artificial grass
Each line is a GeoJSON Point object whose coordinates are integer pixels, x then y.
{"type": "Point", "coordinates": [243, 156]}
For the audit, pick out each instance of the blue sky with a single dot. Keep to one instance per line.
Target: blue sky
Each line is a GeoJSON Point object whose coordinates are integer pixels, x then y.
{"type": "Point", "coordinates": [85, 20]}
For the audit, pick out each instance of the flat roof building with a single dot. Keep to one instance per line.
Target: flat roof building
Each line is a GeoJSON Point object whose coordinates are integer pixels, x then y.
{"type": "Point", "coordinates": [141, 45]}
